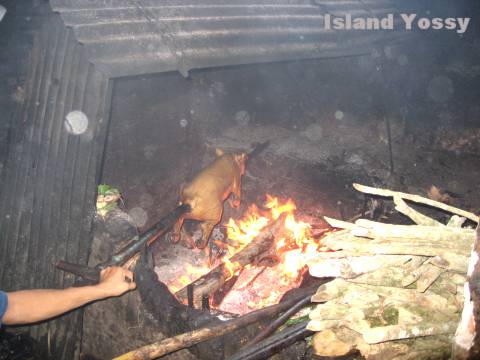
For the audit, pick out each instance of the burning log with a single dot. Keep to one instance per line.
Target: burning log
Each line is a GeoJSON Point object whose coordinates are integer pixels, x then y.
{"type": "Point", "coordinates": [399, 289]}
{"type": "Point", "coordinates": [191, 338]}
{"type": "Point", "coordinates": [253, 252]}
{"type": "Point", "coordinates": [219, 295]}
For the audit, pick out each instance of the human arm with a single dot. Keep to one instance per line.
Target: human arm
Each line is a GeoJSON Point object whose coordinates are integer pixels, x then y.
{"type": "Point", "coordinates": [29, 306]}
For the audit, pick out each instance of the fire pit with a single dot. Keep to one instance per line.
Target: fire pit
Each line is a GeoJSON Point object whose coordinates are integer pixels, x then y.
{"type": "Point", "coordinates": [175, 150]}
{"type": "Point", "coordinates": [256, 275]}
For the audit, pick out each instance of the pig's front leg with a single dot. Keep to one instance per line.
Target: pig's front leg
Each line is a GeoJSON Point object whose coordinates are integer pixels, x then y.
{"type": "Point", "coordinates": [236, 194]}
{"type": "Point", "coordinates": [176, 230]}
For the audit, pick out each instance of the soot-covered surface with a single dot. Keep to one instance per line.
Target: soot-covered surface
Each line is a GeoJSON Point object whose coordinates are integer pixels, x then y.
{"type": "Point", "coordinates": [163, 130]}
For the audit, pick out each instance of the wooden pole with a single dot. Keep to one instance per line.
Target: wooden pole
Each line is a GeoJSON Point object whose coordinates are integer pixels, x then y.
{"type": "Point", "coordinates": [274, 343]}
{"type": "Point", "coordinates": [191, 338]}
{"type": "Point", "coordinates": [270, 329]}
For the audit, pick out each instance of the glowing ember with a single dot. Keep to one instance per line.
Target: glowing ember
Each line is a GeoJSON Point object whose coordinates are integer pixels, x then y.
{"type": "Point", "coordinates": [253, 289]}
{"type": "Point", "coordinates": [192, 273]}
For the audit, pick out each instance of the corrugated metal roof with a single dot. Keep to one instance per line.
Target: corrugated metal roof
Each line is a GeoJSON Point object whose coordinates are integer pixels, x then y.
{"type": "Point", "coordinates": [131, 37]}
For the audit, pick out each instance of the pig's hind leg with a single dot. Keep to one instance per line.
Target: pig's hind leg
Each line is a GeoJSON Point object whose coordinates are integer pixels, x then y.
{"type": "Point", "coordinates": [207, 228]}
{"type": "Point", "coordinates": [213, 218]}
{"type": "Point", "coordinates": [179, 234]}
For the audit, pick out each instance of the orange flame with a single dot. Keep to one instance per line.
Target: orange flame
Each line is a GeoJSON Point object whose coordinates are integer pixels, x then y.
{"type": "Point", "coordinates": [192, 273]}
{"type": "Point", "coordinates": [232, 267]}
{"type": "Point", "coordinates": [299, 244]}
{"type": "Point", "coordinates": [278, 209]}
{"type": "Point", "coordinates": [294, 248]}
{"type": "Point", "coordinates": [243, 232]}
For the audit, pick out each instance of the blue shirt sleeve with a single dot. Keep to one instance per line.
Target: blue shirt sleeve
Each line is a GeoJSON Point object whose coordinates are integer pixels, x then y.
{"type": "Point", "coordinates": [3, 304]}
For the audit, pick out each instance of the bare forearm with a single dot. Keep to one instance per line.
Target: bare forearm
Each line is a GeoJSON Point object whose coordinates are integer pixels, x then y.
{"type": "Point", "coordinates": [35, 305]}
{"type": "Point", "coordinates": [30, 306]}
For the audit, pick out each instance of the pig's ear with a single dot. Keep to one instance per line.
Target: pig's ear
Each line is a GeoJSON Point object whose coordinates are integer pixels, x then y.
{"type": "Point", "coordinates": [219, 152]}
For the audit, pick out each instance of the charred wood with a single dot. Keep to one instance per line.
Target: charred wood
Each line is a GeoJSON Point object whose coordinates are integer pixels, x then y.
{"type": "Point", "coordinates": [127, 252]}
{"type": "Point", "coordinates": [220, 294]}
{"type": "Point", "coordinates": [274, 343]}
{"type": "Point", "coordinates": [86, 272]}
{"type": "Point", "coordinates": [274, 325]}
{"type": "Point", "coordinates": [147, 237]}
{"type": "Point", "coordinates": [171, 317]}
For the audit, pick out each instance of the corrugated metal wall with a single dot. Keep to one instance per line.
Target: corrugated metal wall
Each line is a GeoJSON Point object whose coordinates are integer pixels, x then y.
{"type": "Point", "coordinates": [16, 36]}
{"type": "Point", "coordinates": [48, 188]}
{"type": "Point", "coordinates": [50, 177]}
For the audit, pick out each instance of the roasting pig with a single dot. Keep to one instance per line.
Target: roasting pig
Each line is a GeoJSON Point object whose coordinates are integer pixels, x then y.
{"type": "Point", "coordinates": [208, 190]}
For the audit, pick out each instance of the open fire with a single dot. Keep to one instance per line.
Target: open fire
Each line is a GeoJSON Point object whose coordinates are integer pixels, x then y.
{"type": "Point", "coordinates": [261, 284]}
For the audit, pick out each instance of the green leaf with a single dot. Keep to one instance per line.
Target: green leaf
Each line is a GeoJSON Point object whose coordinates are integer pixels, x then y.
{"type": "Point", "coordinates": [104, 189]}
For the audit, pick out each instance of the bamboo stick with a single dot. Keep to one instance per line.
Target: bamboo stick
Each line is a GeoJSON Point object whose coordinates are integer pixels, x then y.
{"type": "Point", "coordinates": [417, 199]}
{"type": "Point", "coordinates": [417, 217]}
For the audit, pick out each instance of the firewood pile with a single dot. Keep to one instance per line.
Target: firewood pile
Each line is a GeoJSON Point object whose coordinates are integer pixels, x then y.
{"type": "Point", "coordinates": [398, 291]}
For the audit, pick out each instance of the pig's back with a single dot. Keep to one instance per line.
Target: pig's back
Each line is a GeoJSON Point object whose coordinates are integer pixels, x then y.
{"type": "Point", "coordinates": [214, 182]}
